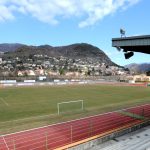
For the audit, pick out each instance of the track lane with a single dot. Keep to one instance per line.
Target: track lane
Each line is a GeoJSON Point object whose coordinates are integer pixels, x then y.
{"type": "Point", "coordinates": [58, 135]}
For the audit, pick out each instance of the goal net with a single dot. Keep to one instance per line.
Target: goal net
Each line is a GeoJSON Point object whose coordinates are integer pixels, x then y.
{"type": "Point", "coordinates": [70, 106]}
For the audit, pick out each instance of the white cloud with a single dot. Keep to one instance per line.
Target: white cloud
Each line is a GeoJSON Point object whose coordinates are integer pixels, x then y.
{"type": "Point", "coordinates": [48, 11]}
{"type": "Point", "coordinates": [6, 13]}
{"type": "Point", "coordinates": [113, 53]}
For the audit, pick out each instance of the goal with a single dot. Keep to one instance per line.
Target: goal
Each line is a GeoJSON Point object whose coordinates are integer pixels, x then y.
{"type": "Point", "coordinates": [70, 106]}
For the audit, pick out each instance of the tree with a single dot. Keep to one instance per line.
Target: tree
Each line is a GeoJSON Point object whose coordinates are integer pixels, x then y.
{"type": "Point", "coordinates": [89, 72]}
{"type": "Point", "coordinates": [31, 56]}
{"type": "Point", "coordinates": [61, 71]}
{"type": "Point", "coordinates": [54, 68]}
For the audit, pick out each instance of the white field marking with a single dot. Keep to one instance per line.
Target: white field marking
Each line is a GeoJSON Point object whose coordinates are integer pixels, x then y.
{"type": "Point", "coordinates": [22, 139]}
{"type": "Point", "coordinates": [56, 114]}
{"type": "Point", "coordinates": [41, 137]}
{"type": "Point", "coordinates": [76, 127]}
{"type": "Point", "coordinates": [73, 120]}
{"type": "Point", "coordinates": [29, 118]}
{"type": "Point", "coordinates": [4, 101]}
{"type": "Point", "coordinates": [34, 143]}
{"type": "Point", "coordinates": [5, 143]}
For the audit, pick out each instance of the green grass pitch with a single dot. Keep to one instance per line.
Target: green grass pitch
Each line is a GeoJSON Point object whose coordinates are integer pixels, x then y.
{"type": "Point", "coordinates": [18, 103]}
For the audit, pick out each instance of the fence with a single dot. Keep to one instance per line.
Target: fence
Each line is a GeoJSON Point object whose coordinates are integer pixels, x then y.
{"type": "Point", "coordinates": [58, 135]}
{"type": "Point", "coordinates": [141, 111]}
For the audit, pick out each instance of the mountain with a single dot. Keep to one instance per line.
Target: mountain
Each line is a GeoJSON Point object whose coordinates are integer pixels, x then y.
{"type": "Point", "coordinates": [139, 68]}
{"type": "Point", "coordinates": [81, 51]}
{"type": "Point", "coordinates": [5, 47]}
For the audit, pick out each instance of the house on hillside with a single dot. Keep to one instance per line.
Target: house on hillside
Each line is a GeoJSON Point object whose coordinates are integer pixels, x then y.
{"type": "Point", "coordinates": [30, 73]}
{"type": "Point", "coordinates": [1, 61]}
{"type": "Point", "coordinates": [52, 73]}
{"type": "Point", "coordinates": [20, 73]}
{"type": "Point", "coordinates": [40, 72]}
{"type": "Point", "coordinates": [139, 78]}
{"type": "Point", "coordinates": [72, 74]}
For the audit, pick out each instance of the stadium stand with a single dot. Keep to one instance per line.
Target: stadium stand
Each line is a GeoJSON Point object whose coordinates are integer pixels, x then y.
{"type": "Point", "coordinates": [139, 140]}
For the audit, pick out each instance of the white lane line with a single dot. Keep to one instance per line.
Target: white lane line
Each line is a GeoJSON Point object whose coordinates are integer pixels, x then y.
{"type": "Point", "coordinates": [5, 143]}
{"type": "Point", "coordinates": [4, 101]}
{"type": "Point", "coordinates": [73, 120]}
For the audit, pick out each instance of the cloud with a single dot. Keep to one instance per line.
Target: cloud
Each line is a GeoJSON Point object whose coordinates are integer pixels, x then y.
{"type": "Point", "coordinates": [113, 53]}
{"type": "Point", "coordinates": [50, 11]}
{"type": "Point", "coordinates": [6, 13]}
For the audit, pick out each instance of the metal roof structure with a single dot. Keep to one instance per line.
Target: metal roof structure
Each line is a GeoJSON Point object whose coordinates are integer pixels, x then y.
{"type": "Point", "coordinates": [133, 44]}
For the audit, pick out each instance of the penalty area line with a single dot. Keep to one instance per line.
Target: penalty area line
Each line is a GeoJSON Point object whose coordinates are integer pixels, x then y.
{"type": "Point", "coordinates": [2, 100]}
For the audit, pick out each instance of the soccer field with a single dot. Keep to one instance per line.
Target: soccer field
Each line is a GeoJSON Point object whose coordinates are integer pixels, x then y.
{"type": "Point", "coordinates": [27, 102]}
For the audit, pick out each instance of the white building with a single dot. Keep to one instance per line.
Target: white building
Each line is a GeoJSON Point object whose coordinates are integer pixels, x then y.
{"type": "Point", "coordinates": [30, 73]}
{"type": "Point", "coordinates": [1, 60]}
{"type": "Point", "coordinates": [139, 78]}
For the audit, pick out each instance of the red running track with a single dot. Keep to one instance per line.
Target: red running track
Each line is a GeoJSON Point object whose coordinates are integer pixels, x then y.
{"type": "Point", "coordinates": [124, 84]}
{"type": "Point", "coordinates": [141, 110]}
{"type": "Point", "coordinates": [59, 135]}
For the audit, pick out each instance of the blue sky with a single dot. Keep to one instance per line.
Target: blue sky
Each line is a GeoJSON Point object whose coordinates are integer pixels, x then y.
{"type": "Point", "coordinates": [64, 22]}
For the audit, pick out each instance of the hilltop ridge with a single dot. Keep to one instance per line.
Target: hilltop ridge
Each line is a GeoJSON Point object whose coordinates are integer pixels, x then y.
{"type": "Point", "coordinates": [82, 51]}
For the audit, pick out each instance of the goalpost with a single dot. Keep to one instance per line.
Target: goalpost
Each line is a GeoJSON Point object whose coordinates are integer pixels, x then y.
{"type": "Point", "coordinates": [70, 106]}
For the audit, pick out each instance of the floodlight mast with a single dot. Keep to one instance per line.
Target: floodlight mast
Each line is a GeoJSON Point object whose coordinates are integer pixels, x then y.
{"type": "Point", "coordinates": [122, 32]}
{"type": "Point", "coordinates": [126, 54]}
